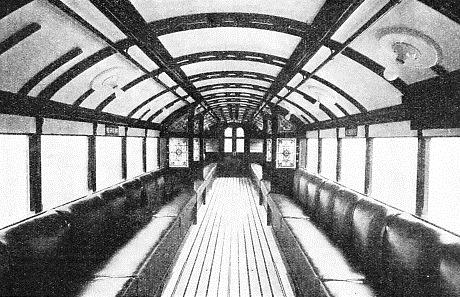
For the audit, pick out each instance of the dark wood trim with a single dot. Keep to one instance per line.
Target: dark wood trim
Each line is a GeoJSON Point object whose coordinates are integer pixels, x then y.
{"type": "Point", "coordinates": [83, 97]}
{"type": "Point", "coordinates": [157, 95]}
{"type": "Point", "coordinates": [320, 153]}
{"type": "Point", "coordinates": [421, 202]}
{"type": "Point", "coordinates": [124, 163]}
{"type": "Point", "coordinates": [92, 159]}
{"type": "Point", "coordinates": [35, 179]}
{"type": "Point", "coordinates": [338, 175]}
{"type": "Point", "coordinates": [213, 20]}
{"type": "Point", "coordinates": [50, 90]}
{"type": "Point", "coordinates": [144, 152]}
{"type": "Point", "coordinates": [230, 55]}
{"type": "Point", "coordinates": [439, 70]}
{"type": "Point", "coordinates": [11, 103]}
{"type": "Point", "coordinates": [368, 164]}
{"type": "Point", "coordinates": [384, 115]}
{"type": "Point", "coordinates": [50, 68]}
{"type": "Point", "coordinates": [18, 36]}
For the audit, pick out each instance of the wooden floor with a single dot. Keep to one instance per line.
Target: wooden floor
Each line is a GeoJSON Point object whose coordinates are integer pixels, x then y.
{"type": "Point", "coordinates": [231, 251]}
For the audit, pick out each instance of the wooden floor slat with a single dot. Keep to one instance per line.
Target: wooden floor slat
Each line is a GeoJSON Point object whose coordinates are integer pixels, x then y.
{"type": "Point", "coordinates": [231, 251]}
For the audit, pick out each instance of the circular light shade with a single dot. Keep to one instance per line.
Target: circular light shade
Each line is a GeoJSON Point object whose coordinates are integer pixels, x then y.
{"type": "Point", "coordinates": [107, 79]}
{"type": "Point", "coordinates": [409, 47]}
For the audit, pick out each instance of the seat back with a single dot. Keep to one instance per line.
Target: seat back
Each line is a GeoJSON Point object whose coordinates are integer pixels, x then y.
{"type": "Point", "coordinates": [326, 195]}
{"type": "Point", "coordinates": [342, 217]}
{"type": "Point", "coordinates": [314, 183]}
{"type": "Point", "coordinates": [412, 257]}
{"type": "Point", "coordinates": [450, 266]}
{"type": "Point", "coordinates": [368, 226]}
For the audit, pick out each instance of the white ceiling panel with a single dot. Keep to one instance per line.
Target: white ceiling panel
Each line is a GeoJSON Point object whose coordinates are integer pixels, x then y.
{"type": "Point", "coordinates": [233, 90]}
{"type": "Point", "coordinates": [155, 105]}
{"type": "Point", "coordinates": [137, 54]}
{"type": "Point", "coordinates": [230, 65]}
{"type": "Point", "coordinates": [169, 111]}
{"type": "Point", "coordinates": [230, 39]}
{"type": "Point", "coordinates": [368, 88]}
{"type": "Point", "coordinates": [416, 16]}
{"type": "Point", "coordinates": [304, 11]}
{"type": "Point", "coordinates": [133, 97]}
{"type": "Point", "coordinates": [317, 59]}
{"type": "Point", "coordinates": [20, 63]}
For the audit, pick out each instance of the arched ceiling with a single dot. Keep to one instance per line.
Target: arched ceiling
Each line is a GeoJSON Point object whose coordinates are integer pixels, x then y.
{"type": "Point", "coordinates": [232, 61]}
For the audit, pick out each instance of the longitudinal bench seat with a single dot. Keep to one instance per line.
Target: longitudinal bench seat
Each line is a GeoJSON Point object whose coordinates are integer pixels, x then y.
{"type": "Point", "coordinates": [117, 242]}
{"type": "Point", "coordinates": [340, 243]}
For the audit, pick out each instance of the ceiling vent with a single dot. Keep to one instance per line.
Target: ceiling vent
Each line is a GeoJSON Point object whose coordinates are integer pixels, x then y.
{"type": "Point", "coordinates": [109, 80]}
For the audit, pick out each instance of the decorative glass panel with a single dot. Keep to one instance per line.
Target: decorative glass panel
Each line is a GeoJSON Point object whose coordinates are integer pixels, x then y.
{"type": "Point", "coordinates": [196, 149]}
{"type": "Point", "coordinates": [178, 152]}
{"type": "Point", "coordinates": [269, 150]}
{"type": "Point", "coordinates": [286, 153]}
{"type": "Point", "coordinates": [212, 145]}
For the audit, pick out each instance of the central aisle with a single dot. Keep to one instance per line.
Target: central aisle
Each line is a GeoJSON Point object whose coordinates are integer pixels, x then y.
{"type": "Point", "coordinates": [231, 251]}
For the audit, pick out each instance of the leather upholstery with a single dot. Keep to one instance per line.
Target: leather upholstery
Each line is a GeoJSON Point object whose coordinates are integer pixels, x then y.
{"type": "Point", "coordinates": [326, 196]}
{"type": "Point", "coordinates": [450, 266]}
{"type": "Point", "coordinates": [412, 255]}
{"type": "Point", "coordinates": [314, 183]}
{"type": "Point", "coordinates": [343, 207]}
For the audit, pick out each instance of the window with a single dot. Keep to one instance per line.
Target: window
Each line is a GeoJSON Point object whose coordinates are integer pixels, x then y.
{"type": "Point", "coordinates": [329, 158]}
{"type": "Point", "coordinates": [64, 169]}
{"type": "Point", "coordinates": [152, 154]}
{"type": "Point", "coordinates": [394, 172]}
{"type": "Point", "coordinates": [443, 182]}
{"type": "Point", "coordinates": [108, 161]}
{"type": "Point", "coordinates": [312, 155]}
{"type": "Point", "coordinates": [234, 140]}
{"type": "Point", "coordinates": [178, 152]}
{"type": "Point", "coordinates": [134, 160]}
{"type": "Point", "coordinates": [14, 178]}
{"type": "Point", "coordinates": [256, 146]}
{"type": "Point", "coordinates": [353, 165]}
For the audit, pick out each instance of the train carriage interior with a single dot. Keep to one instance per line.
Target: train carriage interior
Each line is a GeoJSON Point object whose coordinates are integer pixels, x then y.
{"type": "Point", "coordinates": [237, 148]}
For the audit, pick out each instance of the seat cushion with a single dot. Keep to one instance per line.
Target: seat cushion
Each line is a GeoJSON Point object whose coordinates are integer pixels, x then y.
{"type": "Point", "coordinates": [174, 207]}
{"type": "Point", "coordinates": [349, 289]}
{"type": "Point", "coordinates": [287, 207]}
{"type": "Point", "coordinates": [328, 260]}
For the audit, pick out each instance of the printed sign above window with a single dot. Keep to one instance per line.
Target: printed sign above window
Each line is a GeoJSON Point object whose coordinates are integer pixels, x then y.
{"type": "Point", "coordinates": [269, 150]}
{"type": "Point", "coordinates": [178, 152]}
{"type": "Point", "coordinates": [112, 130]}
{"type": "Point", "coordinates": [286, 153]}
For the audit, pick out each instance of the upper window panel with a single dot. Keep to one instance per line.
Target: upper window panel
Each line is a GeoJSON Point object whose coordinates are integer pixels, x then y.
{"type": "Point", "coordinates": [305, 11]}
{"type": "Point", "coordinates": [230, 39]}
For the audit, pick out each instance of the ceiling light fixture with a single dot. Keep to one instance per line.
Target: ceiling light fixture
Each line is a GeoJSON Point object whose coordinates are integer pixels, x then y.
{"type": "Point", "coordinates": [404, 47]}
{"type": "Point", "coordinates": [108, 80]}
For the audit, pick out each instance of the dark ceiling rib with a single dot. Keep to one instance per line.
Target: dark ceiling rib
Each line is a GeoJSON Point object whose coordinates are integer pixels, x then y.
{"type": "Point", "coordinates": [50, 90]}
{"type": "Point", "coordinates": [363, 28]}
{"type": "Point", "coordinates": [10, 6]}
{"type": "Point", "coordinates": [212, 20]}
{"type": "Point", "coordinates": [331, 16]}
{"type": "Point", "coordinates": [449, 8]}
{"type": "Point", "coordinates": [144, 103]}
{"type": "Point", "coordinates": [30, 106]}
{"type": "Point", "coordinates": [128, 20]}
{"type": "Point", "coordinates": [130, 85]}
{"type": "Point", "coordinates": [255, 75]}
{"type": "Point", "coordinates": [344, 94]}
{"type": "Point", "coordinates": [118, 47]}
{"type": "Point", "coordinates": [17, 37]}
{"type": "Point", "coordinates": [365, 61]}
{"type": "Point", "coordinates": [83, 97]}
{"type": "Point", "coordinates": [230, 55]}
{"type": "Point", "coordinates": [37, 78]}
{"type": "Point", "coordinates": [439, 70]}
{"type": "Point", "coordinates": [158, 112]}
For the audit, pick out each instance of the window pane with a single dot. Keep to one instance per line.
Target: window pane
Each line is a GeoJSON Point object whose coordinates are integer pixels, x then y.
{"type": "Point", "coordinates": [228, 132]}
{"type": "Point", "coordinates": [152, 154]}
{"type": "Point", "coordinates": [14, 178]}
{"type": "Point", "coordinates": [394, 172]}
{"type": "Point", "coordinates": [353, 163]}
{"type": "Point", "coordinates": [329, 158]}
{"type": "Point", "coordinates": [64, 169]}
{"type": "Point", "coordinates": [240, 145]}
{"type": "Point", "coordinates": [228, 145]}
{"type": "Point", "coordinates": [443, 180]}
{"type": "Point", "coordinates": [239, 132]}
{"type": "Point", "coordinates": [108, 161]}
{"type": "Point", "coordinates": [134, 157]}
{"type": "Point", "coordinates": [312, 155]}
